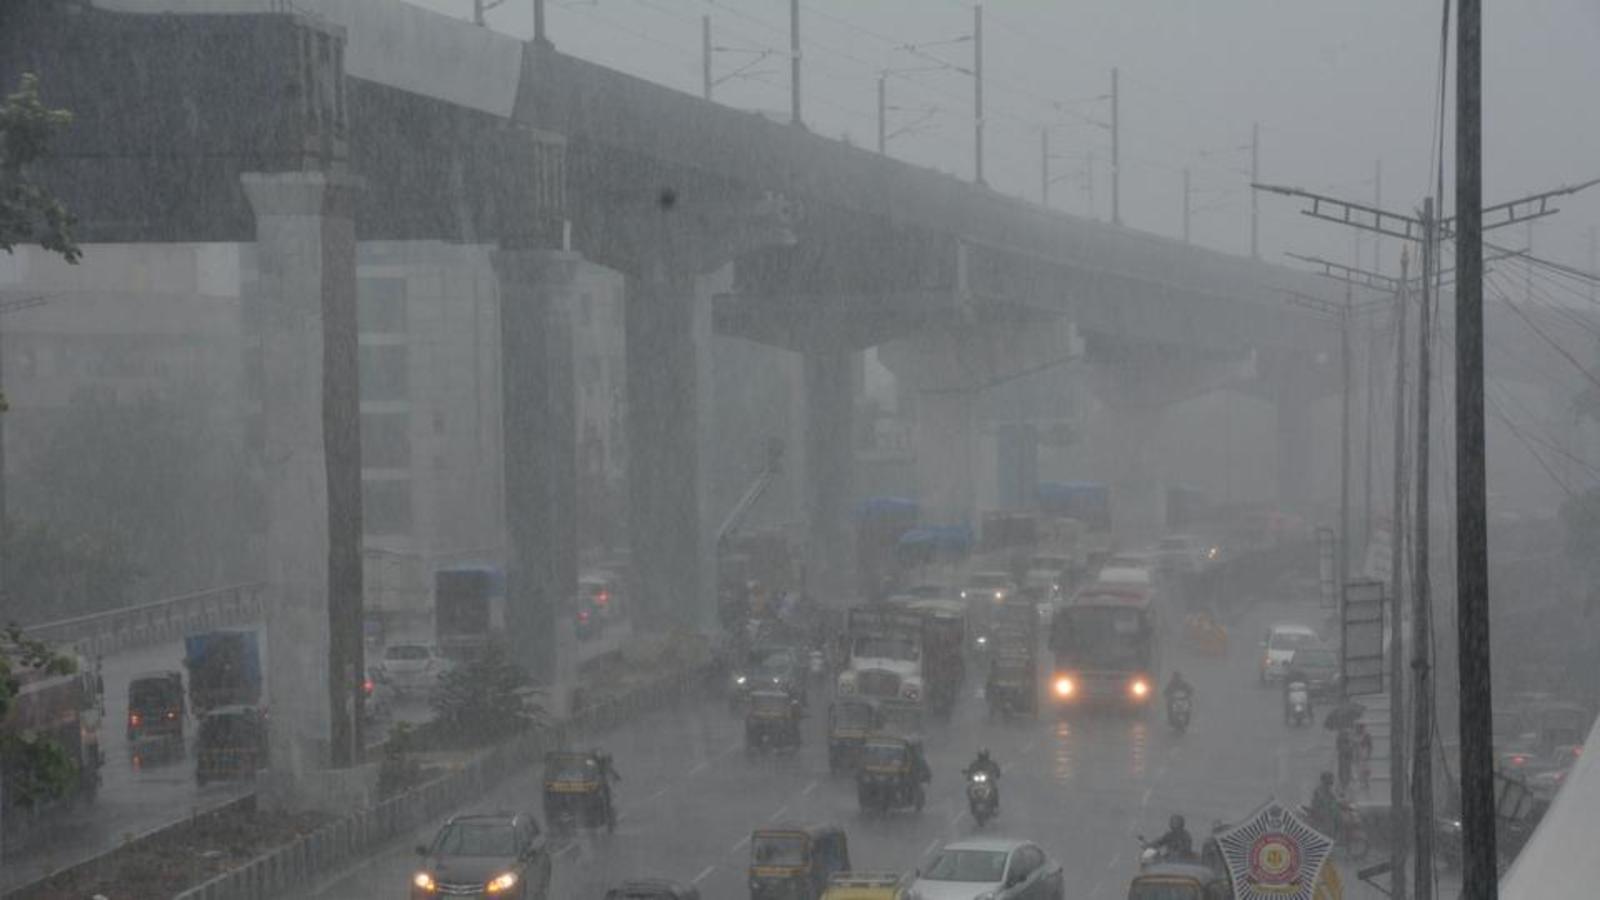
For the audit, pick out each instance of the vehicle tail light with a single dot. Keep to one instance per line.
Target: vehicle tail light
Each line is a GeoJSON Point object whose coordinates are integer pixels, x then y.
{"type": "Point", "coordinates": [172, 714]}
{"type": "Point", "coordinates": [583, 616]}
{"type": "Point", "coordinates": [602, 598]}
{"type": "Point", "coordinates": [133, 718]}
{"type": "Point", "coordinates": [367, 687]}
{"type": "Point", "coordinates": [1064, 687]}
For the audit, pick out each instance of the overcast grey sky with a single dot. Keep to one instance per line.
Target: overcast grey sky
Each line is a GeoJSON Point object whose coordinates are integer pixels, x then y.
{"type": "Point", "coordinates": [1335, 86]}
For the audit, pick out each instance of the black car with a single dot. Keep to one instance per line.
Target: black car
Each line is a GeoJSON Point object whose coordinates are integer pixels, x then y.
{"type": "Point", "coordinates": [484, 855]}
{"type": "Point", "coordinates": [769, 668]}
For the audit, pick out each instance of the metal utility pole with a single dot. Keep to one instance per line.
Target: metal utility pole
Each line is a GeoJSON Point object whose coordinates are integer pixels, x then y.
{"type": "Point", "coordinates": [1345, 320]}
{"type": "Point", "coordinates": [1186, 206]}
{"type": "Point", "coordinates": [1479, 871]}
{"type": "Point", "coordinates": [705, 59]}
{"type": "Point", "coordinates": [977, 89]}
{"type": "Point", "coordinates": [1116, 159]}
{"type": "Point", "coordinates": [1422, 610]}
{"type": "Point", "coordinates": [883, 111]}
{"type": "Point", "coordinates": [539, 36]}
{"type": "Point", "coordinates": [1044, 166]}
{"type": "Point", "coordinates": [794, 62]}
{"type": "Point", "coordinates": [1255, 176]}
{"type": "Point", "coordinates": [1377, 201]}
{"type": "Point", "coordinates": [1397, 761]}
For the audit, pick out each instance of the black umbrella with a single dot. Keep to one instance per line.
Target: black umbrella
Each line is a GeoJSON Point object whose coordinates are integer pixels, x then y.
{"type": "Point", "coordinates": [1343, 716]}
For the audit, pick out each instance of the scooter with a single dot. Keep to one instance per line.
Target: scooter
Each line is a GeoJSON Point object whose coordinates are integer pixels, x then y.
{"type": "Point", "coordinates": [981, 798]}
{"type": "Point", "coordinates": [1297, 708]}
{"type": "Point", "coordinates": [1178, 707]}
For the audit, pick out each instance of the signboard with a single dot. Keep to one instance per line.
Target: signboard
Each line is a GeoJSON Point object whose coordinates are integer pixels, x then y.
{"type": "Point", "coordinates": [883, 621]}
{"type": "Point", "coordinates": [1273, 855]}
{"type": "Point", "coordinates": [1361, 657]}
{"type": "Point", "coordinates": [1325, 548]}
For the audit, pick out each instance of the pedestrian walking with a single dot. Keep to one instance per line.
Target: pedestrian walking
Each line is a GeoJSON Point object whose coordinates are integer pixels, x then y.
{"type": "Point", "coordinates": [1344, 747]}
{"type": "Point", "coordinates": [1363, 751]}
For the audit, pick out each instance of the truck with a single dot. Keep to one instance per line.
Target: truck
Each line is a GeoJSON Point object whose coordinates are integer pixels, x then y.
{"type": "Point", "coordinates": [224, 668]}
{"type": "Point", "coordinates": [880, 524]}
{"type": "Point", "coordinates": [906, 651]}
{"type": "Point", "coordinates": [64, 708]}
{"type": "Point", "coordinates": [469, 608]}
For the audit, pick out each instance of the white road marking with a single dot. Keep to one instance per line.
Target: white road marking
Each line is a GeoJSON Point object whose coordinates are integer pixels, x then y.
{"type": "Point", "coordinates": [806, 791]}
{"type": "Point", "coordinates": [701, 767]}
{"type": "Point", "coordinates": [779, 814]}
{"type": "Point", "coordinates": [932, 846]}
{"type": "Point", "coordinates": [703, 873]}
{"type": "Point", "coordinates": [569, 847]}
{"type": "Point", "coordinates": [656, 795]}
{"type": "Point", "coordinates": [740, 845]}
{"type": "Point", "coordinates": [731, 749]}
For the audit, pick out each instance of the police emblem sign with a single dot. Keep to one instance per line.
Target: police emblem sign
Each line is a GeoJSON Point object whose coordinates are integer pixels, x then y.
{"type": "Point", "coordinates": [1273, 855]}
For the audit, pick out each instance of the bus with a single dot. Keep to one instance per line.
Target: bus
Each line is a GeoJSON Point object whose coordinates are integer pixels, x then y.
{"type": "Point", "coordinates": [1105, 648]}
{"type": "Point", "coordinates": [469, 608]}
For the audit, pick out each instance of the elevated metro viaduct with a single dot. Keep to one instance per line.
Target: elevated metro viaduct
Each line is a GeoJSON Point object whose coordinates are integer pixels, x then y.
{"type": "Point", "coordinates": [380, 121]}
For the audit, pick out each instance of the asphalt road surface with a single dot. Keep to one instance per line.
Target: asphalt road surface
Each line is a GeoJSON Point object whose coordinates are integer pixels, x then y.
{"type": "Point", "coordinates": [1082, 786]}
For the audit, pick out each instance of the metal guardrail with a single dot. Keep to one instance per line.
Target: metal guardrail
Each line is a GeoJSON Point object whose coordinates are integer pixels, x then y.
{"type": "Point", "coordinates": [157, 622]}
{"type": "Point", "coordinates": [294, 867]}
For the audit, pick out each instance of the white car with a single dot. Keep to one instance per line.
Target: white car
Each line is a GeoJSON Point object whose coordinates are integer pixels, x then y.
{"type": "Point", "coordinates": [410, 669]}
{"type": "Point", "coordinates": [1278, 646]}
{"type": "Point", "coordinates": [988, 869]}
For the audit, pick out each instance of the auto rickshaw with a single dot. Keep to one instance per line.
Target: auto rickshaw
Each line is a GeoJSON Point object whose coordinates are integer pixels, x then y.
{"type": "Point", "coordinates": [1012, 688]}
{"type": "Point", "coordinates": [900, 718]}
{"type": "Point", "coordinates": [577, 792]}
{"type": "Point", "coordinates": [1204, 634]}
{"type": "Point", "coordinates": [1180, 881]}
{"type": "Point", "coordinates": [849, 722]}
{"type": "Point", "coordinates": [155, 706]}
{"type": "Point", "coordinates": [231, 745]}
{"type": "Point", "coordinates": [772, 722]}
{"type": "Point", "coordinates": [796, 863]}
{"type": "Point", "coordinates": [890, 774]}
{"type": "Point", "coordinates": [866, 886]}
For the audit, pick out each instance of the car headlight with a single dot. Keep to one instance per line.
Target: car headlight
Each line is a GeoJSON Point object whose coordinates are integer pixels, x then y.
{"type": "Point", "coordinates": [424, 881]}
{"type": "Point", "coordinates": [1139, 687]}
{"type": "Point", "coordinates": [501, 883]}
{"type": "Point", "coordinates": [911, 691]}
{"type": "Point", "coordinates": [983, 639]}
{"type": "Point", "coordinates": [1064, 687]}
{"type": "Point", "coordinates": [999, 595]}
{"type": "Point", "coordinates": [739, 679]}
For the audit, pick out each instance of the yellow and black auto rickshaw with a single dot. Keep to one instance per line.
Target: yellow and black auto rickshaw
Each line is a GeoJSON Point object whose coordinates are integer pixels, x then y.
{"type": "Point", "coordinates": [867, 886]}
{"type": "Point", "coordinates": [771, 722]}
{"type": "Point", "coordinates": [1013, 685]}
{"type": "Point", "coordinates": [796, 863]}
{"type": "Point", "coordinates": [231, 744]}
{"type": "Point", "coordinates": [890, 774]}
{"type": "Point", "coordinates": [849, 722]}
{"type": "Point", "coordinates": [577, 792]}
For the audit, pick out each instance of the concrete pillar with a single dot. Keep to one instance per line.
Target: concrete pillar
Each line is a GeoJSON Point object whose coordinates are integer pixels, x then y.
{"type": "Point", "coordinates": [947, 456]}
{"type": "Point", "coordinates": [829, 460]}
{"type": "Point", "coordinates": [1294, 447]}
{"type": "Point", "coordinates": [539, 432]}
{"type": "Point", "coordinates": [303, 313]}
{"type": "Point", "coordinates": [663, 416]}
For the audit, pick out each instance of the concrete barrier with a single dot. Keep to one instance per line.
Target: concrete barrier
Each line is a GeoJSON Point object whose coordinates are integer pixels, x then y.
{"type": "Point", "coordinates": [297, 865]}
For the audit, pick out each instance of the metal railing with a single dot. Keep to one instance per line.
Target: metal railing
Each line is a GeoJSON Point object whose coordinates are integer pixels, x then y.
{"type": "Point", "coordinates": [157, 622]}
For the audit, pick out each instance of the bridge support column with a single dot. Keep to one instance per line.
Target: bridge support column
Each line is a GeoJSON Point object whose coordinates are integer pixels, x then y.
{"type": "Point", "coordinates": [302, 309]}
{"type": "Point", "coordinates": [664, 432]}
{"type": "Point", "coordinates": [540, 448]}
{"type": "Point", "coordinates": [947, 456]}
{"type": "Point", "coordinates": [830, 377]}
{"type": "Point", "coordinates": [1294, 448]}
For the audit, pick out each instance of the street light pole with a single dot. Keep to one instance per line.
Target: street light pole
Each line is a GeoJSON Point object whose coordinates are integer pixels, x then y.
{"type": "Point", "coordinates": [883, 111]}
{"type": "Point", "coordinates": [794, 61]}
{"type": "Point", "coordinates": [1116, 157]}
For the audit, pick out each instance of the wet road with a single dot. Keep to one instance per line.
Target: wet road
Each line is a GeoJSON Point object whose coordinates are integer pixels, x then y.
{"type": "Point", "coordinates": [1081, 786]}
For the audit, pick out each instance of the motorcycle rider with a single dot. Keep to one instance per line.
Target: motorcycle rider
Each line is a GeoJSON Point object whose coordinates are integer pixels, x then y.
{"type": "Point", "coordinates": [1176, 843]}
{"type": "Point", "coordinates": [1292, 680]}
{"type": "Point", "coordinates": [989, 767]}
{"type": "Point", "coordinates": [1177, 687]}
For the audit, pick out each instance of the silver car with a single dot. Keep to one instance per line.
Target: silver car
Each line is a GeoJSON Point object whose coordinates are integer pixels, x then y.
{"type": "Point", "coordinates": [991, 869]}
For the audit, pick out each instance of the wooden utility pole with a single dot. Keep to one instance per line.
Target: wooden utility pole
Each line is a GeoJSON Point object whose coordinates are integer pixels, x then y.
{"type": "Point", "coordinates": [1479, 870]}
{"type": "Point", "coordinates": [1421, 592]}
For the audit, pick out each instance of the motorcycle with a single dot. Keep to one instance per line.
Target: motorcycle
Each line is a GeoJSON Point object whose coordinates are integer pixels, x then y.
{"type": "Point", "coordinates": [981, 798]}
{"type": "Point", "coordinates": [1178, 708]}
{"type": "Point", "coordinates": [1297, 706]}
